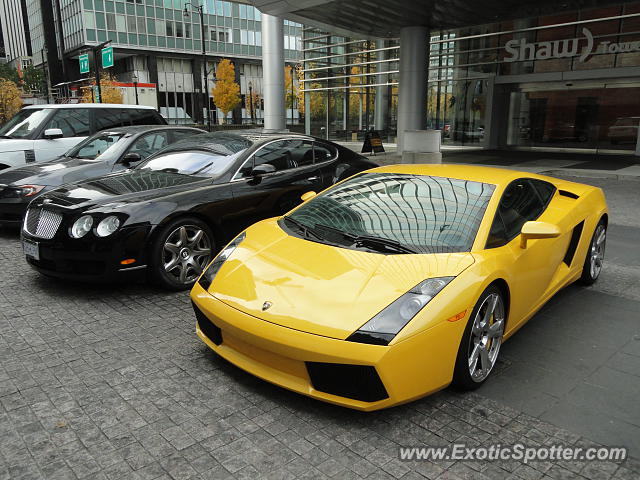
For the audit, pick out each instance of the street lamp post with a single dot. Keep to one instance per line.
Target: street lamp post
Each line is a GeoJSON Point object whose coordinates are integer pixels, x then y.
{"type": "Point", "coordinates": [205, 84]}
{"type": "Point", "coordinates": [251, 101]}
{"type": "Point", "coordinates": [292, 95]}
{"type": "Point", "coordinates": [134, 78]}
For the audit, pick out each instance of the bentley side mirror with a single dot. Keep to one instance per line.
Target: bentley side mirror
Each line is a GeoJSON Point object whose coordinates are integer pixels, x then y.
{"type": "Point", "coordinates": [534, 230]}
{"type": "Point", "coordinates": [52, 133]}
{"type": "Point", "coordinates": [308, 196]}
{"type": "Point", "coordinates": [262, 169]}
{"type": "Point", "coordinates": [131, 157]}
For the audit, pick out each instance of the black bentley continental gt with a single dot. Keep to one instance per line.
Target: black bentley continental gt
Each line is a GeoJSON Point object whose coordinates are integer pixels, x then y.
{"type": "Point", "coordinates": [167, 217]}
{"type": "Point", "coordinates": [105, 152]}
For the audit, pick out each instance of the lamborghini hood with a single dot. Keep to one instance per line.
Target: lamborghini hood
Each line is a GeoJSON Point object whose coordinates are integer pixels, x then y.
{"type": "Point", "coordinates": [318, 288]}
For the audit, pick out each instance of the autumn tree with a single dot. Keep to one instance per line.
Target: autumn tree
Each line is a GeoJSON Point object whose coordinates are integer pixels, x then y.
{"type": "Point", "coordinates": [317, 98]}
{"type": "Point", "coordinates": [33, 80]}
{"type": "Point", "coordinates": [10, 101]}
{"type": "Point", "coordinates": [109, 89]}
{"type": "Point", "coordinates": [290, 87]}
{"type": "Point", "coordinates": [226, 92]}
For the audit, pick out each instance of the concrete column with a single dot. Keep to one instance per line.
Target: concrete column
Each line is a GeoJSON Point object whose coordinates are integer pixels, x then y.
{"type": "Point", "coordinates": [412, 88]}
{"type": "Point", "coordinates": [381, 105]}
{"type": "Point", "coordinates": [273, 72]}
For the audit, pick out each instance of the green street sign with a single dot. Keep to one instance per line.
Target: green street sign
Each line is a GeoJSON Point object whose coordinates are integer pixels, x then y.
{"type": "Point", "coordinates": [107, 57]}
{"type": "Point", "coordinates": [84, 63]}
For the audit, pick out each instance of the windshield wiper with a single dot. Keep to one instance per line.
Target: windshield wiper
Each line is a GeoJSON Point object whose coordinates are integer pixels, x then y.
{"type": "Point", "coordinates": [306, 231]}
{"type": "Point", "coordinates": [369, 241]}
{"type": "Point", "coordinates": [378, 243]}
{"type": "Point", "coordinates": [203, 168]}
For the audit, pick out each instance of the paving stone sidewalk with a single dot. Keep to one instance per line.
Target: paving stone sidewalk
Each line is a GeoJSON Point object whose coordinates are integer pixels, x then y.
{"type": "Point", "coordinates": [110, 382]}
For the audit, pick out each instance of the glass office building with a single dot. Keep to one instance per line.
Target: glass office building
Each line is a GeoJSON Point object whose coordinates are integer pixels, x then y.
{"type": "Point", "coordinates": [569, 80]}
{"type": "Point", "coordinates": [155, 41]}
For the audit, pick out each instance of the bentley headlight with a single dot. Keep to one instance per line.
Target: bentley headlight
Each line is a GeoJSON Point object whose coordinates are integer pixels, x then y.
{"type": "Point", "coordinates": [107, 226]}
{"type": "Point", "coordinates": [382, 328]}
{"type": "Point", "coordinates": [206, 279]}
{"type": "Point", "coordinates": [82, 226]}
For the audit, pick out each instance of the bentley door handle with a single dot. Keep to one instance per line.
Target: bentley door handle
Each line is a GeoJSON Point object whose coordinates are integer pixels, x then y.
{"type": "Point", "coordinates": [313, 179]}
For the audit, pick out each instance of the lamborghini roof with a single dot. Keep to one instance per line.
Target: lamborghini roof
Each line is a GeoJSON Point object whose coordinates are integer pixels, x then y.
{"type": "Point", "coordinates": [492, 175]}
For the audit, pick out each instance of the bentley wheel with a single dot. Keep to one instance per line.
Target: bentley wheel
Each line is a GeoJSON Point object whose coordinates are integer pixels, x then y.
{"type": "Point", "coordinates": [181, 253]}
{"type": "Point", "coordinates": [481, 341]}
{"type": "Point", "coordinates": [595, 255]}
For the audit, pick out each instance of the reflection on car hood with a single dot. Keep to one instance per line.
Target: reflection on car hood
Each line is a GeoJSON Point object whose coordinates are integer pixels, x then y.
{"type": "Point", "coordinates": [53, 172]}
{"type": "Point", "coordinates": [319, 288]}
{"type": "Point", "coordinates": [131, 185]}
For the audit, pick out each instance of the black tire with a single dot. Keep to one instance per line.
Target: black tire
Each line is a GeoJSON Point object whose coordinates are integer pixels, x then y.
{"type": "Point", "coordinates": [462, 378]}
{"type": "Point", "coordinates": [189, 255]}
{"type": "Point", "coordinates": [595, 255]}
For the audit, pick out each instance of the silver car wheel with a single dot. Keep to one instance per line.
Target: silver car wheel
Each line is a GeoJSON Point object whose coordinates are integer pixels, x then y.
{"type": "Point", "coordinates": [486, 337]}
{"type": "Point", "coordinates": [186, 253]}
{"type": "Point", "coordinates": [597, 251]}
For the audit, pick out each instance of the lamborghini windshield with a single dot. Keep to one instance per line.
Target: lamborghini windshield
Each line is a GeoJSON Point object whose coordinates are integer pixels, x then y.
{"type": "Point", "coordinates": [396, 213]}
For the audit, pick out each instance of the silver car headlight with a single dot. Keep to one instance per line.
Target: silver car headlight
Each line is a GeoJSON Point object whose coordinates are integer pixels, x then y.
{"type": "Point", "coordinates": [384, 326]}
{"type": "Point", "coordinates": [81, 226]}
{"type": "Point", "coordinates": [108, 226]}
{"type": "Point", "coordinates": [206, 279]}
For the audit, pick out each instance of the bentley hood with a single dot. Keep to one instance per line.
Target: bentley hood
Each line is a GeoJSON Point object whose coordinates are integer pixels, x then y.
{"type": "Point", "coordinates": [127, 187]}
{"type": "Point", "coordinates": [318, 288]}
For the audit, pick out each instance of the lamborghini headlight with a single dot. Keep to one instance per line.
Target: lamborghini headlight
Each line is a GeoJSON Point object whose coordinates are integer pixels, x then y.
{"type": "Point", "coordinates": [206, 279]}
{"type": "Point", "coordinates": [383, 327]}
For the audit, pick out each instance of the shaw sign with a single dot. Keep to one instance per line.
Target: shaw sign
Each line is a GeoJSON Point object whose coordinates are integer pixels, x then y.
{"type": "Point", "coordinates": [521, 50]}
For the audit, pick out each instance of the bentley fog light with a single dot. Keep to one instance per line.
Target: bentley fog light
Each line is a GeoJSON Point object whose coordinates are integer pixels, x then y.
{"type": "Point", "coordinates": [206, 279]}
{"type": "Point", "coordinates": [382, 328]}
{"type": "Point", "coordinates": [82, 226]}
{"type": "Point", "coordinates": [107, 226]}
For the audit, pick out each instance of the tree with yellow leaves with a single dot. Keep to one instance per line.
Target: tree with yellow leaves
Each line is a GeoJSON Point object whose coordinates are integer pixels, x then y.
{"type": "Point", "coordinates": [317, 98]}
{"type": "Point", "coordinates": [226, 92]}
{"type": "Point", "coordinates": [290, 87]}
{"type": "Point", "coordinates": [10, 101]}
{"type": "Point", "coordinates": [109, 90]}
{"type": "Point", "coordinates": [251, 103]}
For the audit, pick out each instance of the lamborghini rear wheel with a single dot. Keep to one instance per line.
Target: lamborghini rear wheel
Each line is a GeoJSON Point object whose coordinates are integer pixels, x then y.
{"type": "Point", "coordinates": [595, 255]}
{"type": "Point", "coordinates": [481, 341]}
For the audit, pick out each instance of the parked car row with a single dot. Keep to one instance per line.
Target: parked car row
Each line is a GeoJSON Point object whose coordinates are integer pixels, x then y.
{"type": "Point", "coordinates": [159, 201]}
{"type": "Point", "coordinates": [387, 286]}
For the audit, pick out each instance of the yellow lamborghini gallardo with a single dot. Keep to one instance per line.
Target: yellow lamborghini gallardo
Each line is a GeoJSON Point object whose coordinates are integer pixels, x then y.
{"type": "Point", "coordinates": [398, 281]}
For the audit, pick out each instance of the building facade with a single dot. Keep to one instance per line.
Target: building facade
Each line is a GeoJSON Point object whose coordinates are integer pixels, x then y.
{"type": "Point", "coordinates": [569, 79]}
{"type": "Point", "coordinates": [16, 43]}
{"type": "Point", "coordinates": [159, 42]}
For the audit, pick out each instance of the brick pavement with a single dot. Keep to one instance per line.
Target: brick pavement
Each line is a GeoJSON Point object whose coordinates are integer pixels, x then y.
{"type": "Point", "coordinates": [111, 382]}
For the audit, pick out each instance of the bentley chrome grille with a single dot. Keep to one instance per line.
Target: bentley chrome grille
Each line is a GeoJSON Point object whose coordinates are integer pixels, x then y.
{"type": "Point", "coordinates": [42, 223]}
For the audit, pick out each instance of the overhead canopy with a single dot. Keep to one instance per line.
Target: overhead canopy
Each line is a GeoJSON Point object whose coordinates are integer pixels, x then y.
{"type": "Point", "coordinates": [385, 18]}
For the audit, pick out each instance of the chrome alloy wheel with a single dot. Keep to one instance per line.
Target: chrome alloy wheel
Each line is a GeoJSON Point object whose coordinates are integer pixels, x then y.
{"type": "Point", "coordinates": [486, 337]}
{"type": "Point", "coordinates": [186, 253]}
{"type": "Point", "coordinates": [597, 251]}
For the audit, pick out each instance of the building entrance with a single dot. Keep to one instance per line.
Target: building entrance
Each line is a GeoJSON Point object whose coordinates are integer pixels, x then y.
{"type": "Point", "coordinates": [595, 116]}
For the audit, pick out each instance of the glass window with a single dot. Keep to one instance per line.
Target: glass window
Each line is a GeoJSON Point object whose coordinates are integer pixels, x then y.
{"type": "Point", "coordinates": [278, 154]}
{"type": "Point", "coordinates": [323, 152]}
{"type": "Point", "coordinates": [182, 134]}
{"type": "Point", "coordinates": [204, 164]}
{"type": "Point", "coordinates": [519, 204]}
{"type": "Point", "coordinates": [422, 213]}
{"type": "Point", "coordinates": [73, 122]}
{"type": "Point", "coordinates": [111, 21]}
{"type": "Point", "coordinates": [179, 29]}
{"type": "Point", "coordinates": [544, 189]}
{"type": "Point", "coordinates": [121, 23]}
{"type": "Point", "coordinates": [145, 117]}
{"type": "Point", "coordinates": [110, 118]}
{"type": "Point", "coordinates": [187, 30]}
{"type": "Point", "coordinates": [131, 24]}
{"type": "Point", "coordinates": [169, 24]}
{"type": "Point", "coordinates": [150, 144]}
{"type": "Point", "coordinates": [142, 28]}
{"type": "Point", "coordinates": [23, 124]}
{"type": "Point", "coordinates": [89, 20]}
{"type": "Point", "coordinates": [94, 146]}
{"type": "Point", "coordinates": [161, 27]}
